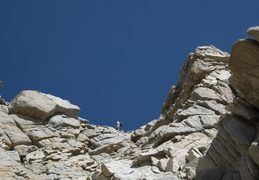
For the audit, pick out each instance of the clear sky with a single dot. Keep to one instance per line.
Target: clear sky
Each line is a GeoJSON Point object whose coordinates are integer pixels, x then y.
{"type": "Point", "coordinates": [115, 59]}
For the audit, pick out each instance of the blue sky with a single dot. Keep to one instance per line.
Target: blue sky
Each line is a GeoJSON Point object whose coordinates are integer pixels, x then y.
{"type": "Point", "coordinates": [115, 59]}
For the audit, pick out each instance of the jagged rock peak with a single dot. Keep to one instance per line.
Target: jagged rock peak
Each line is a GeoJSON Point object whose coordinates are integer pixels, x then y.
{"type": "Point", "coordinates": [212, 52]}
{"type": "Point", "coordinates": [208, 129]}
{"type": "Point", "coordinates": [189, 115]}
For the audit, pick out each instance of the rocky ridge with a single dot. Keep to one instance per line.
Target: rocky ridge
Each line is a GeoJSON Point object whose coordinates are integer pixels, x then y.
{"type": "Point", "coordinates": [207, 129]}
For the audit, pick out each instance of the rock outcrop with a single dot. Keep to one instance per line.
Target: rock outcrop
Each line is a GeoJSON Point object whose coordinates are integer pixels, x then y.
{"type": "Point", "coordinates": [233, 154]}
{"type": "Point", "coordinates": [41, 106]}
{"type": "Point", "coordinates": [208, 129]}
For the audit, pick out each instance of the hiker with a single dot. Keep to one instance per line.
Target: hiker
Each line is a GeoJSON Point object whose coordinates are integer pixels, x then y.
{"type": "Point", "coordinates": [118, 125]}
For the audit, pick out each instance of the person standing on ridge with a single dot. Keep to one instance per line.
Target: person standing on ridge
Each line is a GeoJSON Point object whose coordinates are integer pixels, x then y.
{"type": "Point", "coordinates": [118, 125]}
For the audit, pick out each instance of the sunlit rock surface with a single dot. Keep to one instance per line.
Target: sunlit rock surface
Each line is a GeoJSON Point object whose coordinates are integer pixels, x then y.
{"type": "Point", "coordinates": [207, 129]}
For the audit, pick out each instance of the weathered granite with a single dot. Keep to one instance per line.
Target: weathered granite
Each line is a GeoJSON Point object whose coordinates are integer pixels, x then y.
{"type": "Point", "coordinates": [233, 154]}
{"type": "Point", "coordinates": [41, 106]}
{"type": "Point", "coordinates": [208, 129]}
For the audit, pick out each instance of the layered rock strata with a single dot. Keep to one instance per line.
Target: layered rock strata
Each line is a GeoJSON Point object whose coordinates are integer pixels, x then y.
{"type": "Point", "coordinates": [233, 154]}
{"type": "Point", "coordinates": [190, 114]}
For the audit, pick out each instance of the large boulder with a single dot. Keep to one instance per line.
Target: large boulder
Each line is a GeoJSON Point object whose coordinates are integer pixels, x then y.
{"type": "Point", "coordinates": [40, 106]}
{"type": "Point", "coordinates": [244, 64]}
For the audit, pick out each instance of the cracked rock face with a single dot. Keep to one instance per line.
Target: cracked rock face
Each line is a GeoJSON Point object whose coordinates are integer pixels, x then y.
{"type": "Point", "coordinates": [208, 129]}
{"type": "Point", "coordinates": [234, 151]}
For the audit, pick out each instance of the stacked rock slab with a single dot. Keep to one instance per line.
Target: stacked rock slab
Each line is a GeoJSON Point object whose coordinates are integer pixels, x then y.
{"type": "Point", "coordinates": [189, 116]}
{"type": "Point", "coordinates": [233, 154]}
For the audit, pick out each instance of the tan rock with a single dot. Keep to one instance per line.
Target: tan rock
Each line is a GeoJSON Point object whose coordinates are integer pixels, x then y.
{"type": "Point", "coordinates": [254, 32]}
{"type": "Point", "coordinates": [244, 64]}
{"type": "Point", "coordinates": [64, 106]}
{"type": "Point", "coordinates": [38, 105]}
{"type": "Point", "coordinates": [33, 104]}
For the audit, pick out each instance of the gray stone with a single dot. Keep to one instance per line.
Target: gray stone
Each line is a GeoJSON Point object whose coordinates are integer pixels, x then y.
{"type": "Point", "coordinates": [154, 161]}
{"type": "Point", "coordinates": [5, 142]}
{"type": "Point", "coordinates": [165, 133]}
{"type": "Point", "coordinates": [11, 169]}
{"type": "Point", "coordinates": [61, 120]}
{"type": "Point", "coordinates": [106, 135]}
{"type": "Point", "coordinates": [16, 136]}
{"type": "Point", "coordinates": [145, 158]}
{"type": "Point", "coordinates": [128, 174]}
{"type": "Point", "coordinates": [6, 119]}
{"type": "Point", "coordinates": [24, 121]}
{"type": "Point", "coordinates": [4, 108]}
{"type": "Point", "coordinates": [162, 164]}
{"type": "Point", "coordinates": [112, 167]}
{"type": "Point", "coordinates": [14, 155]}
{"type": "Point", "coordinates": [203, 93]}
{"type": "Point", "coordinates": [240, 131]}
{"type": "Point", "coordinates": [194, 122]}
{"type": "Point", "coordinates": [194, 153]}
{"type": "Point", "coordinates": [213, 53]}
{"type": "Point", "coordinates": [213, 105]}
{"type": "Point", "coordinates": [103, 149]}
{"type": "Point", "coordinates": [38, 133]}
{"type": "Point", "coordinates": [253, 152]}
{"type": "Point", "coordinates": [83, 138]}
{"type": "Point", "coordinates": [241, 108]}
{"type": "Point", "coordinates": [215, 173]}
{"type": "Point", "coordinates": [194, 110]}
{"type": "Point", "coordinates": [210, 121]}
{"type": "Point", "coordinates": [170, 165]}
{"type": "Point", "coordinates": [90, 133]}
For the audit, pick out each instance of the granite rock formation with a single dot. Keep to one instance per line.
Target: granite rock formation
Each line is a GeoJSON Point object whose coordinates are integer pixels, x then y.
{"type": "Point", "coordinates": [233, 154]}
{"type": "Point", "coordinates": [208, 129]}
